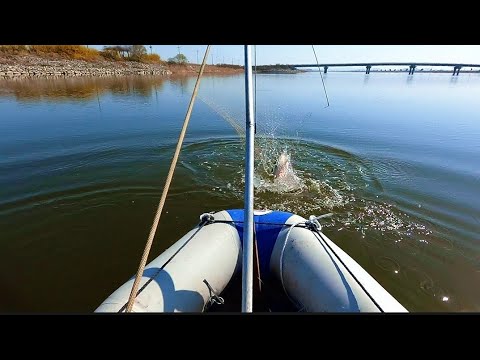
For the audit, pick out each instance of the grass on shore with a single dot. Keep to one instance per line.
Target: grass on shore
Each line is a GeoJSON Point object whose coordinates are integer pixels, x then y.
{"type": "Point", "coordinates": [75, 52]}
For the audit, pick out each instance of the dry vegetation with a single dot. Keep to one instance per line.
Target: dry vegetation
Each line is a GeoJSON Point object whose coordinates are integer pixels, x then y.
{"type": "Point", "coordinates": [81, 52]}
{"type": "Point", "coordinates": [152, 59]}
{"type": "Point", "coordinates": [80, 60]}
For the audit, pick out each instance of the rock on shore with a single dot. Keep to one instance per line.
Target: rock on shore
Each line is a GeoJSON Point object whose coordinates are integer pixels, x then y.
{"type": "Point", "coordinates": [36, 67]}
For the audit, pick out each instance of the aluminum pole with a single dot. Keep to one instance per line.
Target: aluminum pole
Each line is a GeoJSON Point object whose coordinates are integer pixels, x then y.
{"type": "Point", "coordinates": [247, 265]}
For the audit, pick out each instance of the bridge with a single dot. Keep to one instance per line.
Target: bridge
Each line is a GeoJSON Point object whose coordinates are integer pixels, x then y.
{"type": "Point", "coordinates": [412, 66]}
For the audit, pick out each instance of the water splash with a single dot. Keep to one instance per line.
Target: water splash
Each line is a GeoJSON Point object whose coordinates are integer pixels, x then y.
{"type": "Point", "coordinates": [274, 171]}
{"type": "Point", "coordinates": [325, 179]}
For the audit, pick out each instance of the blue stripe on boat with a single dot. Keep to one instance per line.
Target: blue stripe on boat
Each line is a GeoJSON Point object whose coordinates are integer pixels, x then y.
{"type": "Point", "coordinates": [266, 234]}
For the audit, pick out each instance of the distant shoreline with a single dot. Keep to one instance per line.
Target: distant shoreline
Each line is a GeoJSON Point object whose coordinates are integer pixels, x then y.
{"type": "Point", "coordinates": [276, 69]}
{"type": "Point", "coordinates": [32, 66]}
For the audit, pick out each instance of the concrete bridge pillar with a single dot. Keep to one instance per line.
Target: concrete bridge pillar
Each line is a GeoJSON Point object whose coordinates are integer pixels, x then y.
{"type": "Point", "coordinates": [456, 70]}
{"type": "Point", "coordinates": [368, 69]}
{"type": "Point", "coordinates": [325, 68]}
{"type": "Point", "coordinates": [412, 69]}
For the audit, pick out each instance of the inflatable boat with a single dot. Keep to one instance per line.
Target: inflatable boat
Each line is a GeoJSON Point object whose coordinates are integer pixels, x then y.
{"type": "Point", "coordinates": [316, 275]}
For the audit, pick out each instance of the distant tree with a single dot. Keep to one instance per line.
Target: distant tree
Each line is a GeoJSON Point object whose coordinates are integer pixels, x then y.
{"type": "Point", "coordinates": [179, 59]}
{"type": "Point", "coordinates": [137, 52]}
{"type": "Point", "coordinates": [111, 52]}
{"type": "Point", "coordinates": [118, 50]}
{"type": "Point", "coordinates": [125, 49]}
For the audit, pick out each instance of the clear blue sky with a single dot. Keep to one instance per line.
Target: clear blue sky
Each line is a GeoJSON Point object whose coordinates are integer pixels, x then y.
{"type": "Point", "coordinates": [289, 54]}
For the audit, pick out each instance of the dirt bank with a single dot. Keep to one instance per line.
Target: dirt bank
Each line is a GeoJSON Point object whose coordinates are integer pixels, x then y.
{"type": "Point", "coordinates": [209, 69]}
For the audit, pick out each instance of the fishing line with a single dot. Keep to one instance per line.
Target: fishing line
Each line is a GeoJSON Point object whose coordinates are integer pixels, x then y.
{"type": "Point", "coordinates": [321, 76]}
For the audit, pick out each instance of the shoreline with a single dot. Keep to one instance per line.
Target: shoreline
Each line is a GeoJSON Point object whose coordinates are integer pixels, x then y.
{"type": "Point", "coordinates": [31, 66]}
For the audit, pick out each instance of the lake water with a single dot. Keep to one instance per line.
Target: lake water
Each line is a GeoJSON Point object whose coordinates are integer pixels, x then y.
{"type": "Point", "coordinates": [83, 161]}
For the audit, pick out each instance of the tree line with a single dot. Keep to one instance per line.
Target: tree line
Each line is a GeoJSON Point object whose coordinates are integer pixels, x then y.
{"type": "Point", "coordinates": [82, 52]}
{"type": "Point", "coordinates": [109, 52]}
{"type": "Point", "coordinates": [129, 52]}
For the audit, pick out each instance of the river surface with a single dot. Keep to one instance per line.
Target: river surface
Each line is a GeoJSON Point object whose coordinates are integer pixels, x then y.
{"type": "Point", "coordinates": [395, 158]}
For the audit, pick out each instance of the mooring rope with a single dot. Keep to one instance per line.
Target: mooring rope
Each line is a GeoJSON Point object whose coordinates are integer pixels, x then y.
{"type": "Point", "coordinates": [156, 219]}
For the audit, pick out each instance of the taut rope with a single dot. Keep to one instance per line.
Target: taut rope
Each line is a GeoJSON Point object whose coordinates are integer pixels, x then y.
{"type": "Point", "coordinates": [148, 245]}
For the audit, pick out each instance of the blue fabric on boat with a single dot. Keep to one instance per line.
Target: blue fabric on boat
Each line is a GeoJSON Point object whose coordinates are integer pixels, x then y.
{"type": "Point", "coordinates": [266, 234]}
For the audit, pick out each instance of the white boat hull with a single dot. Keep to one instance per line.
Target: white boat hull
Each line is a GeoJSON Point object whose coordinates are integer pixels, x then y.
{"type": "Point", "coordinates": [316, 279]}
{"type": "Point", "coordinates": [316, 274]}
{"type": "Point", "coordinates": [212, 254]}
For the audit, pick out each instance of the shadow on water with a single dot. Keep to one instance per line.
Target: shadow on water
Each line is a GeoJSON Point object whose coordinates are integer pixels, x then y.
{"type": "Point", "coordinates": [181, 82]}
{"type": "Point", "coordinates": [80, 89]}
{"type": "Point", "coordinates": [453, 79]}
{"type": "Point", "coordinates": [365, 79]}
{"type": "Point", "coordinates": [186, 82]}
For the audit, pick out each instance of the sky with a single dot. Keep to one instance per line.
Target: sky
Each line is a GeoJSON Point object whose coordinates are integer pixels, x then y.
{"type": "Point", "coordinates": [302, 54]}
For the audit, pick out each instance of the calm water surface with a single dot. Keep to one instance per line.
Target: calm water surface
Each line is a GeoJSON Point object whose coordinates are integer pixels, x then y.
{"type": "Point", "coordinates": [396, 158]}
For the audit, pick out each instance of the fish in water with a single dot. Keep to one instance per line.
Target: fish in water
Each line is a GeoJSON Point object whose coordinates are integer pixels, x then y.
{"type": "Point", "coordinates": [284, 167]}
{"type": "Point", "coordinates": [285, 178]}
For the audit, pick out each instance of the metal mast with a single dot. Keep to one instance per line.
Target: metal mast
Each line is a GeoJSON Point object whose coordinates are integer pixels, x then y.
{"type": "Point", "coordinates": [248, 223]}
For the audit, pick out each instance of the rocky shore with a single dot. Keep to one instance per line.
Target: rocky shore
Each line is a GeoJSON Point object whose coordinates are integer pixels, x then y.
{"type": "Point", "coordinates": [37, 67]}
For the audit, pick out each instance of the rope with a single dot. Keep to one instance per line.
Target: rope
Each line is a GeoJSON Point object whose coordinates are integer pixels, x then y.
{"type": "Point", "coordinates": [200, 226]}
{"type": "Point", "coordinates": [156, 219]}
{"type": "Point", "coordinates": [256, 222]}
{"type": "Point", "coordinates": [214, 298]}
{"type": "Point", "coordinates": [320, 71]}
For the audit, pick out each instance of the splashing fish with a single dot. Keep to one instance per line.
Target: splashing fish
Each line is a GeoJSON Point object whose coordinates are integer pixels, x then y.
{"type": "Point", "coordinates": [284, 174]}
{"type": "Point", "coordinates": [284, 166]}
